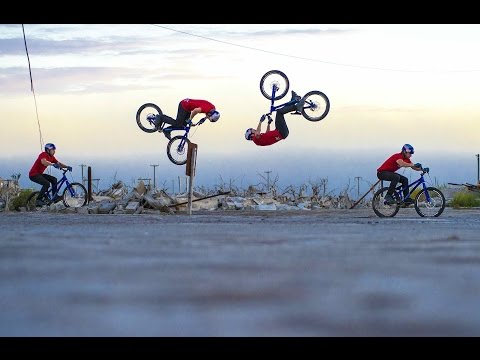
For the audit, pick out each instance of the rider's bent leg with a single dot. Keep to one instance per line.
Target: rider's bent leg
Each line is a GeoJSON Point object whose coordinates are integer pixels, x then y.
{"type": "Point", "coordinates": [394, 178]}
{"type": "Point", "coordinates": [280, 123]}
{"type": "Point", "coordinates": [42, 180]}
{"type": "Point", "coordinates": [404, 181]}
{"type": "Point", "coordinates": [182, 116]}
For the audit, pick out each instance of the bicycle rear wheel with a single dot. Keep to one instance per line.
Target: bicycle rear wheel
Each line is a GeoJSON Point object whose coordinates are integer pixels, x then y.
{"type": "Point", "coordinates": [271, 79]}
{"type": "Point", "coordinates": [143, 122]}
{"type": "Point", "coordinates": [75, 195]}
{"type": "Point", "coordinates": [381, 207]}
{"type": "Point", "coordinates": [316, 105]}
{"type": "Point", "coordinates": [431, 207]}
{"type": "Point", "coordinates": [177, 150]}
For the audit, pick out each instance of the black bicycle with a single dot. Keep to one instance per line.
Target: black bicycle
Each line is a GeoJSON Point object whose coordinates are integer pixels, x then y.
{"type": "Point", "coordinates": [429, 202]}
{"type": "Point", "coordinates": [73, 194]}
{"type": "Point", "coordinates": [177, 147]}
{"type": "Point", "coordinates": [274, 85]}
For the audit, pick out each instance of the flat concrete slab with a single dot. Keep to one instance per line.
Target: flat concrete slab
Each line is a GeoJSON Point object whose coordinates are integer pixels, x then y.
{"type": "Point", "coordinates": [240, 273]}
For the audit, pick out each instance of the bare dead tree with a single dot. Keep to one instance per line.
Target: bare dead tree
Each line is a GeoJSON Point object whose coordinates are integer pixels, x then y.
{"type": "Point", "coordinates": [163, 187]}
{"type": "Point", "coordinates": [290, 189]}
{"type": "Point", "coordinates": [302, 192]}
{"type": "Point", "coordinates": [267, 182]}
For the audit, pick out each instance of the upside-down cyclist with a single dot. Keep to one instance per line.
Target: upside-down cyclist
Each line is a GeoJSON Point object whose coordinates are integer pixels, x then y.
{"type": "Point", "coordinates": [46, 158]}
{"type": "Point", "coordinates": [187, 109]}
{"type": "Point", "coordinates": [270, 137]}
{"type": "Point", "coordinates": [387, 172]}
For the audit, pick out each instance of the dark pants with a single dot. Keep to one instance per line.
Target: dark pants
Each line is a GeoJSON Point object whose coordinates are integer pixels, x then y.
{"type": "Point", "coordinates": [182, 117]}
{"type": "Point", "coordinates": [280, 123]}
{"type": "Point", "coordinates": [394, 178]}
{"type": "Point", "coordinates": [45, 180]}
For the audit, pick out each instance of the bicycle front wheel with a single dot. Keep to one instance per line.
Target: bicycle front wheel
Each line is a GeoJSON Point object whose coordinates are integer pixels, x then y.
{"type": "Point", "coordinates": [381, 207]}
{"type": "Point", "coordinates": [277, 79]}
{"type": "Point", "coordinates": [316, 105]}
{"type": "Point", "coordinates": [75, 195]}
{"type": "Point", "coordinates": [177, 150]}
{"type": "Point", "coordinates": [431, 205]}
{"type": "Point", "coordinates": [31, 204]}
{"type": "Point", "coordinates": [145, 119]}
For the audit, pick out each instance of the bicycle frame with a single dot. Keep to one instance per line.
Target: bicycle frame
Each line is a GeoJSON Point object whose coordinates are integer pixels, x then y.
{"type": "Point", "coordinates": [186, 130]}
{"type": "Point", "coordinates": [276, 107]}
{"type": "Point", "coordinates": [62, 181]}
{"type": "Point", "coordinates": [420, 181]}
{"type": "Point", "coordinates": [288, 103]}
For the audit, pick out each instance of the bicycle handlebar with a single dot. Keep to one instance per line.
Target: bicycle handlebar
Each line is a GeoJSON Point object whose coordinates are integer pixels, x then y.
{"type": "Point", "coordinates": [425, 170]}
{"type": "Point", "coordinates": [200, 122]}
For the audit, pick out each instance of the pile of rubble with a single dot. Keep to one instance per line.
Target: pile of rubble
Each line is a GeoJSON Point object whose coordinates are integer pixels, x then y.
{"type": "Point", "coordinates": [118, 200]}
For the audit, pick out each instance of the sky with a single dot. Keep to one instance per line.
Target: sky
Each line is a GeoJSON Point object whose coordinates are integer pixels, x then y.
{"type": "Point", "coordinates": [388, 84]}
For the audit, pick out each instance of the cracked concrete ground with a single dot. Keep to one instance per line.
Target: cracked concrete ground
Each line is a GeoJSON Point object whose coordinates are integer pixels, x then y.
{"type": "Point", "coordinates": [240, 273]}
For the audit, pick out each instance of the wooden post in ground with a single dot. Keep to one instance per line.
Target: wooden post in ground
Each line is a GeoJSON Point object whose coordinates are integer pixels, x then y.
{"type": "Point", "coordinates": [356, 203]}
{"type": "Point", "coordinates": [89, 184]}
{"type": "Point", "coordinates": [190, 172]}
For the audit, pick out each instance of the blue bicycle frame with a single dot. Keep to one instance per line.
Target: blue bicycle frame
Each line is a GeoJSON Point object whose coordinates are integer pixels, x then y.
{"type": "Point", "coordinates": [50, 195]}
{"type": "Point", "coordinates": [186, 130]}
{"type": "Point", "coordinates": [276, 107]}
{"type": "Point", "coordinates": [421, 181]}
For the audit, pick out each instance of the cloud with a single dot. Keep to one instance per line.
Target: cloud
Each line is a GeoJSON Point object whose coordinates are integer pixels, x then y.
{"type": "Point", "coordinates": [69, 80]}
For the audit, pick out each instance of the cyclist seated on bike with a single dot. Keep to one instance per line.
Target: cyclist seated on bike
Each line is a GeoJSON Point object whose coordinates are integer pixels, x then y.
{"type": "Point", "coordinates": [270, 137]}
{"type": "Point", "coordinates": [187, 109]}
{"type": "Point", "coordinates": [46, 158]}
{"type": "Point", "coordinates": [387, 172]}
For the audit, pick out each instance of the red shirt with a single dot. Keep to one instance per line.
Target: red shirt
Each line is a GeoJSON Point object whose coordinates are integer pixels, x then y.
{"type": "Point", "coordinates": [38, 167]}
{"type": "Point", "coordinates": [267, 138]}
{"type": "Point", "coordinates": [190, 104]}
{"type": "Point", "coordinates": [391, 163]}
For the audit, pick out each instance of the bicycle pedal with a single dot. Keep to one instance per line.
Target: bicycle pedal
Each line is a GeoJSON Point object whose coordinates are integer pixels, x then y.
{"type": "Point", "coordinates": [296, 113]}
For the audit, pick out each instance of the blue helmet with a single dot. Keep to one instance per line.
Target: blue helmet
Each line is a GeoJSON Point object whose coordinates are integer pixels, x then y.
{"type": "Point", "coordinates": [408, 148]}
{"type": "Point", "coordinates": [248, 134]}
{"type": "Point", "coordinates": [213, 115]}
{"type": "Point", "coordinates": [50, 146]}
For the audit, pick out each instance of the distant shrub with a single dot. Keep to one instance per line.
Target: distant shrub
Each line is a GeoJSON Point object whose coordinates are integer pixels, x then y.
{"type": "Point", "coordinates": [20, 200]}
{"type": "Point", "coordinates": [464, 199]}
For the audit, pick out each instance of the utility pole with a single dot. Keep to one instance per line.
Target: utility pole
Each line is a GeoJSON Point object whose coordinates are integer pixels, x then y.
{"type": "Point", "coordinates": [83, 179]}
{"type": "Point", "coordinates": [478, 168]}
{"type": "Point", "coordinates": [268, 179]}
{"type": "Point", "coordinates": [154, 184]}
{"type": "Point", "coordinates": [358, 185]}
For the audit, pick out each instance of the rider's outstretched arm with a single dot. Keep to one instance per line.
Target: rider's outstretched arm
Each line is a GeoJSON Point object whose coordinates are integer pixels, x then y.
{"type": "Point", "coordinates": [195, 112]}
{"type": "Point", "coordinates": [259, 127]}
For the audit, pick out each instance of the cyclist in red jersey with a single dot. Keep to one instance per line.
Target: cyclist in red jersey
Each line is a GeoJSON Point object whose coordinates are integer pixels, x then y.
{"type": "Point", "coordinates": [46, 158]}
{"type": "Point", "coordinates": [187, 109]}
{"type": "Point", "coordinates": [270, 137]}
{"type": "Point", "coordinates": [387, 172]}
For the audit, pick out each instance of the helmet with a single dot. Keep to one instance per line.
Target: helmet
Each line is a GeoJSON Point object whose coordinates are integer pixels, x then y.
{"type": "Point", "coordinates": [213, 115]}
{"type": "Point", "coordinates": [49, 146]}
{"type": "Point", "coordinates": [408, 148]}
{"type": "Point", "coordinates": [248, 134]}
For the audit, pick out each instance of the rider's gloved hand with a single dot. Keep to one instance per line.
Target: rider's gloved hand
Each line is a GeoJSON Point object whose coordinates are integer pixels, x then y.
{"type": "Point", "coordinates": [262, 118]}
{"type": "Point", "coordinates": [202, 121]}
{"type": "Point", "coordinates": [426, 169]}
{"type": "Point", "coordinates": [270, 120]}
{"type": "Point", "coordinates": [69, 168]}
{"type": "Point", "coordinates": [418, 165]}
{"type": "Point", "coordinates": [56, 165]}
{"type": "Point", "coordinates": [189, 121]}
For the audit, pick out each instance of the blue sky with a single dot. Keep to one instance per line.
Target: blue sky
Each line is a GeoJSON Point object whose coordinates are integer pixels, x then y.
{"type": "Point", "coordinates": [388, 85]}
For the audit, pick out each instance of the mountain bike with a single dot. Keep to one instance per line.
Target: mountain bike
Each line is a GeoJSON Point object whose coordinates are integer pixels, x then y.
{"type": "Point", "coordinates": [73, 195]}
{"type": "Point", "coordinates": [177, 147]}
{"type": "Point", "coordinates": [429, 202]}
{"type": "Point", "coordinates": [274, 85]}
